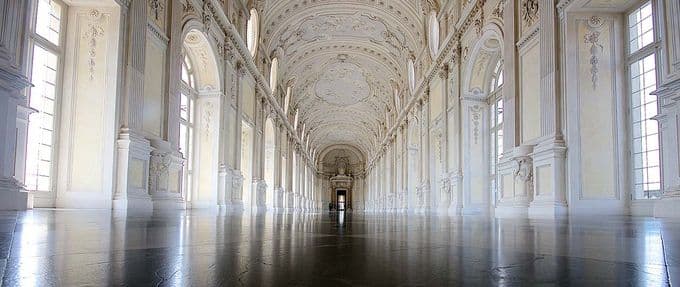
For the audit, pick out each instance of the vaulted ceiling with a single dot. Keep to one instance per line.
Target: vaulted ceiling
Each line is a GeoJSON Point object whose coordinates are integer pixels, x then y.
{"type": "Point", "coordinates": [346, 58]}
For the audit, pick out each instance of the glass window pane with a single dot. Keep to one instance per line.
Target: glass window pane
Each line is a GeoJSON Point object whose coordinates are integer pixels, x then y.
{"type": "Point", "coordinates": [41, 123]}
{"type": "Point", "coordinates": [641, 27]}
{"type": "Point", "coordinates": [48, 20]}
{"type": "Point", "coordinates": [646, 157]}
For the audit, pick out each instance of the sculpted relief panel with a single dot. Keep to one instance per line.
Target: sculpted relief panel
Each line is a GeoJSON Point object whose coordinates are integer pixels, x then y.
{"type": "Point", "coordinates": [359, 25]}
{"type": "Point", "coordinates": [342, 84]}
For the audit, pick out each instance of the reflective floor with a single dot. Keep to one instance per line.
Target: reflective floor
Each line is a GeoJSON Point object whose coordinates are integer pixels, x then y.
{"type": "Point", "coordinates": [97, 248]}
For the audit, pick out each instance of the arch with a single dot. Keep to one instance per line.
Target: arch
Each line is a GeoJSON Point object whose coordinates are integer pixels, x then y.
{"type": "Point", "coordinates": [486, 50]}
{"type": "Point", "coordinates": [354, 150]}
{"type": "Point", "coordinates": [201, 50]}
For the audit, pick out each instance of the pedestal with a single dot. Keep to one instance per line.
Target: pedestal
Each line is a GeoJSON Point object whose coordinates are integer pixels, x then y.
{"type": "Point", "coordinates": [132, 172]}
{"type": "Point", "coordinates": [668, 205]}
{"type": "Point", "coordinates": [12, 196]}
{"type": "Point", "coordinates": [549, 197]}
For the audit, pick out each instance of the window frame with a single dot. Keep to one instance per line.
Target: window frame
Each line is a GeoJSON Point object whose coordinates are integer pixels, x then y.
{"type": "Point", "coordinates": [494, 96]}
{"type": "Point", "coordinates": [653, 48]}
{"type": "Point", "coordinates": [191, 92]}
{"type": "Point", "coordinates": [37, 40]}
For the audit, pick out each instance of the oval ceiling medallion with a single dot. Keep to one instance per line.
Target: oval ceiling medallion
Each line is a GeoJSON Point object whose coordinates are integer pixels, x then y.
{"type": "Point", "coordinates": [342, 84]}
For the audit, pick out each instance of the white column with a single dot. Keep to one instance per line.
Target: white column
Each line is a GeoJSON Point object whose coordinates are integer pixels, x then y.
{"type": "Point", "coordinates": [549, 155]}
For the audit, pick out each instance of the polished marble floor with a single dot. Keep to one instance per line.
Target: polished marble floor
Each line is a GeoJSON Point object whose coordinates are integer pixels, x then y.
{"type": "Point", "coordinates": [99, 248]}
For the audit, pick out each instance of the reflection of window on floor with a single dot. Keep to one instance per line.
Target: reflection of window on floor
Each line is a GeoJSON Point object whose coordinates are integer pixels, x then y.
{"type": "Point", "coordinates": [186, 124]}
{"type": "Point", "coordinates": [641, 54]}
{"type": "Point", "coordinates": [46, 48]}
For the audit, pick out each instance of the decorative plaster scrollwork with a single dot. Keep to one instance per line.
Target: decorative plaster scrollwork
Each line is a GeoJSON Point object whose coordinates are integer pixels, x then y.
{"type": "Point", "coordinates": [208, 115]}
{"type": "Point", "coordinates": [158, 168]}
{"type": "Point", "coordinates": [94, 31]}
{"type": "Point", "coordinates": [529, 12]}
{"type": "Point", "coordinates": [592, 37]}
{"type": "Point", "coordinates": [157, 12]}
{"type": "Point", "coordinates": [479, 22]}
{"type": "Point", "coordinates": [499, 10]}
{"type": "Point", "coordinates": [207, 17]}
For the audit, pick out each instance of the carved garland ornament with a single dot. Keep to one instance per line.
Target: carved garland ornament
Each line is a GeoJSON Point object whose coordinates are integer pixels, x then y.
{"type": "Point", "coordinates": [94, 31]}
{"type": "Point", "coordinates": [592, 37]}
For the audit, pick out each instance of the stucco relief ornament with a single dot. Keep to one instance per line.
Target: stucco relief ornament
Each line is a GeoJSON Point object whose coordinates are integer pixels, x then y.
{"type": "Point", "coordinates": [523, 169]}
{"type": "Point", "coordinates": [500, 8]}
{"type": "Point", "coordinates": [476, 115]}
{"type": "Point", "coordinates": [156, 11]}
{"type": "Point", "coordinates": [207, 17]}
{"type": "Point", "coordinates": [529, 12]}
{"type": "Point", "coordinates": [158, 167]}
{"type": "Point", "coordinates": [208, 114]}
{"type": "Point", "coordinates": [592, 37]}
{"type": "Point", "coordinates": [94, 31]}
{"type": "Point", "coordinates": [479, 22]}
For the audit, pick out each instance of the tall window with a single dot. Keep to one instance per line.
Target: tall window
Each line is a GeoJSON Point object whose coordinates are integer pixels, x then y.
{"type": "Point", "coordinates": [46, 40]}
{"type": "Point", "coordinates": [253, 30]}
{"type": "Point", "coordinates": [641, 59]}
{"type": "Point", "coordinates": [186, 123]}
{"type": "Point", "coordinates": [495, 123]}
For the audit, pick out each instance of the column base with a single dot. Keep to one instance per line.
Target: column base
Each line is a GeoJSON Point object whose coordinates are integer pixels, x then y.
{"type": "Point", "coordinates": [667, 206]}
{"type": "Point", "coordinates": [547, 210]}
{"type": "Point", "coordinates": [472, 210]}
{"type": "Point", "coordinates": [12, 196]}
{"type": "Point", "coordinates": [133, 201]}
{"type": "Point", "coordinates": [455, 209]}
{"type": "Point", "coordinates": [503, 211]}
{"type": "Point", "coordinates": [258, 209]}
{"type": "Point", "coordinates": [233, 207]}
{"type": "Point", "coordinates": [178, 204]}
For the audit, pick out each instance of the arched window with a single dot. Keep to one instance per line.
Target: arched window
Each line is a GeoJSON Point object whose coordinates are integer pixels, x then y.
{"type": "Point", "coordinates": [274, 74]}
{"type": "Point", "coordinates": [495, 123]}
{"type": "Point", "coordinates": [433, 34]}
{"type": "Point", "coordinates": [188, 94]}
{"type": "Point", "coordinates": [253, 31]}
{"type": "Point", "coordinates": [411, 75]}
{"type": "Point", "coordinates": [286, 100]}
{"type": "Point", "coordinates": [295, 120]}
